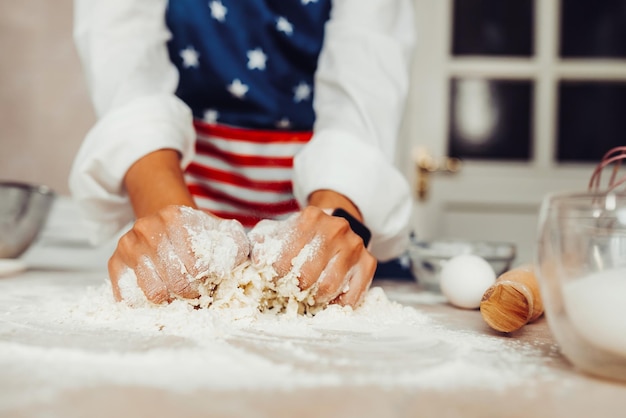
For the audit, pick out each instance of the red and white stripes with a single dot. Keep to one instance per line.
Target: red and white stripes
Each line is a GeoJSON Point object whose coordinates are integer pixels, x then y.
{"type": "Point", "coordinates": [244, 174]}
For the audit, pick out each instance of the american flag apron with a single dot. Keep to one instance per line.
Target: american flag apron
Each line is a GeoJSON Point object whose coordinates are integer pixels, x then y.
{"type": "Point", "coordinates": [246, 71]}
{"type": "Point", "coordinates": [244, 174]}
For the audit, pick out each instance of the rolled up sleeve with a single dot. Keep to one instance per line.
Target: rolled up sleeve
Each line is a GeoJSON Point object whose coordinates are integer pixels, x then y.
{"type": "Point", "coordinates": [361, 86]}
{"type": "Point", "coordinates": [122, 46]}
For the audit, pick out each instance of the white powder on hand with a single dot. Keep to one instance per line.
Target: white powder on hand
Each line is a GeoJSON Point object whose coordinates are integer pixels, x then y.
{"type": "Point", "coordinates": [129, 290]}
{"type": "Point", "coordinates": [219, 245]}
{"type": "Point", "coordinates": [253, 283]}
{"type": "Point", "coordinates": [218, 267]}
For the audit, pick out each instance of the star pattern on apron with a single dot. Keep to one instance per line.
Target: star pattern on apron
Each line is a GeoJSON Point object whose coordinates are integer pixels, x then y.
{"type": "Point", "coordinates": [246, 70]}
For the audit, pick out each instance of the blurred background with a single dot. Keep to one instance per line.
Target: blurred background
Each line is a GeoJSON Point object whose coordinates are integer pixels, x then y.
{"type": "Point", "coordinates": [45, 110]}
{"type": "Point", "coordinates": [510, 100]}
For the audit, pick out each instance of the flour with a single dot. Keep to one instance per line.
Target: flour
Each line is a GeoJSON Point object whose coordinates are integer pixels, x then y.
{"type": "Point", "coordinates": [66, 331]}
{"type": "Point", "coordinates": [129, 290]}
{"type": "Point", "coordinates": [62, 330]}
{"type": "Point", "coordinates": [227, 279]}
{"type": "Point", "coordinates": [217, 245]}
{"type": "Point", "coordinates": [595, 305]}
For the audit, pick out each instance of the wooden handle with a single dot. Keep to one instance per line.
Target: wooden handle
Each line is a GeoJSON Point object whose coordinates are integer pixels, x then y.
{"type": "Point", "coordinates": [513, 300]}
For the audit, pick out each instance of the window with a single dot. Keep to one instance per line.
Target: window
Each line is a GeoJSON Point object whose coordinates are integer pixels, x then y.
{"type": "Point", "coordinates": [492, 27]}
{"type": "Point", "coordinates": [491, 119]}
{"type": "Point", "coordinates": [593, 29]}
{"type": "Point", "coordinates": [526, 72]}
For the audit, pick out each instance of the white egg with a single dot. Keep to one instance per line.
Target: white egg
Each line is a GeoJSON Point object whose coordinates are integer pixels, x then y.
{"type": "Point", "coordinates": [464, 279]}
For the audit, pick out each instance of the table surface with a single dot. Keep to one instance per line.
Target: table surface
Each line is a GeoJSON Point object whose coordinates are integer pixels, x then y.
{"type": "Point", "coordinates": [62, 355]}
{"type": "Point", "coordinates": [40, 353]}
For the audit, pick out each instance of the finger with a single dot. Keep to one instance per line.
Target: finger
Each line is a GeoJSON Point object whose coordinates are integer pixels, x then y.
{"type": "Point", "coordinates": [213, 247]}
{"type": "Point", "coordinates": [279, 244]}
{"type": "Point", "coordinates": [116, 269]}
{"type": "Point", "coordinates": [151, 282]}
{"type": "Point", "coordinates": [341, 246]}
{"type": "Point", "coordinates": [182, 226]}
{"type": "Point", "coordinates": [148, 278]}
{"type": "Point", "coordinates": [335, 278]}
{"type": "Point", "coordinates": [310, 262]}
{"type": "Point", "coordinates": [173, 270]}
{"type": "Point", "coordinates": [359, 282]}
{"type": "Point", "coordinates": [309, 247]}
{"type": "Point", "coordinates": [163, 258]}
{"type": "Point", "coordinates": [332, 281]}
{"type": "Point", "coordinates": [124, 283]}
{"type": "Point", "coordinates": [236, 232]}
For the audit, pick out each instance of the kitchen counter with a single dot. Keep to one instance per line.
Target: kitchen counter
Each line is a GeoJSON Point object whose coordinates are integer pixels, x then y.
{"type": "Point", "coordinates": [66, 350]}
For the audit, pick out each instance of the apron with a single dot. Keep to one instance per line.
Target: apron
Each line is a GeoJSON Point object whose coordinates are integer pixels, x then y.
{"type": "Point", "coordinates": [247, 72]}
{"type": "Point", "coordinates": [244, 174]}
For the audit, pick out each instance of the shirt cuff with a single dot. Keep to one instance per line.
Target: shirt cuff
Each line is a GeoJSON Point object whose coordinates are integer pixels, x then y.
{"type": "Point", "coordinates": [116, 142]}
{"type": "Point", "coordinates": [338, 161]}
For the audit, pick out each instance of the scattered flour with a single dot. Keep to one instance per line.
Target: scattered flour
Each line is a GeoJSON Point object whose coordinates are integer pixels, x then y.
{"type": "Point", "coordinates": [63, 330]}
{"type": "Point", "coordinates": [129, 289]}
{"type": "Point", "coordinates": [58, 333]}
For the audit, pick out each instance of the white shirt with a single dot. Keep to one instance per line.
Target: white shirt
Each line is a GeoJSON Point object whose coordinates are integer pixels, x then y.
{"type": "Point", "coordinates": [360, 88]}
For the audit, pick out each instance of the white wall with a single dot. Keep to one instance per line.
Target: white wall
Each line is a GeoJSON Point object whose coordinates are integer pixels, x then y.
{"type": "Point", "coordinates": [44, 108]}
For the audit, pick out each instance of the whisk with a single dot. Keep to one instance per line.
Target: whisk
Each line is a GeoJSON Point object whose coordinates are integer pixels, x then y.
{"type": "Point", "coordinates": [614, 156]}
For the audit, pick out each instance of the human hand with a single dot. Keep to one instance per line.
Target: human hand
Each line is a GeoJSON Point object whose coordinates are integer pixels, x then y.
{"type": "Point", "coordinates": [325, 254]}
{"type": "Point", "coordinates": [168, 255]}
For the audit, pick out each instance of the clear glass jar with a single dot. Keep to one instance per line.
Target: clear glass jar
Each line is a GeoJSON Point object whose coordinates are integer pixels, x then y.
{"type": "Point", "coordinates": [581, 267]}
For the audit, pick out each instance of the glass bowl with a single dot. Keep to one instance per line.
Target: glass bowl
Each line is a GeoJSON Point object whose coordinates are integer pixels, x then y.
{"type": "Point", "coordinates": [581, 267]}
{"type": "Point", "coordinates": [428, 257]}
{"type": "Point", "coordinates": [24, 209]}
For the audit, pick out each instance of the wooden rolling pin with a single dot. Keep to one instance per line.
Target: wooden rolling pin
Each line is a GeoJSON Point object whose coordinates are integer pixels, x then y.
{"type": "Point", "coordinates": [512, 301]}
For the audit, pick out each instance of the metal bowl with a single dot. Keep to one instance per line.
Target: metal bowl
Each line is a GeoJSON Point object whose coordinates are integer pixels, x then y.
{"type": "Point", "coordinates": [24, 209]}
{"type": "Point", "coordinates": [428, 257]}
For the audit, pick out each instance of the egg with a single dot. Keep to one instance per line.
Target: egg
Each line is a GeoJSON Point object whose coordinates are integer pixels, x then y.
{"type": "Point", "coordinates": [464, 279]}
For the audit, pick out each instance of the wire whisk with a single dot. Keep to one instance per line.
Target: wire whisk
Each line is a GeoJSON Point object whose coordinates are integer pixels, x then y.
{"type": "Point", "coordinates": [615, 157]}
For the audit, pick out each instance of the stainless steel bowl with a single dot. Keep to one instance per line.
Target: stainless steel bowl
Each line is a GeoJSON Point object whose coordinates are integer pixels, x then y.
{"type": "Point", "coordinates": [428, 257]}
{"type": "Point", "coordinates": [24, 209]}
